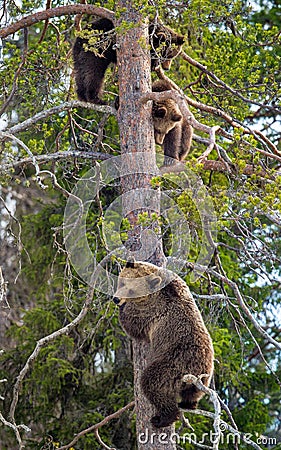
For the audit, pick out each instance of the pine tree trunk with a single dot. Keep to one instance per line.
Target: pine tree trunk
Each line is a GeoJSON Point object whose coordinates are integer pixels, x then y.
{"type": "Point", "coordinates": [137, 136]}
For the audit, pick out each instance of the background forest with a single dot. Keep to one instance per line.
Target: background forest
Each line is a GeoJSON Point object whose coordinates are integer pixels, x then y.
{"type": "Point", "coordinates": [230, 73]}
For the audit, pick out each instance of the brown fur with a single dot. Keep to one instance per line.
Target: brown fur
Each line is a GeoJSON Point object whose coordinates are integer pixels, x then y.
{"type": "Point", "coordinates": [171, 129]}
{"type": "Point", "coordinates": [156, 306]}
{"type": "Point", "coordinates": [90, 68]}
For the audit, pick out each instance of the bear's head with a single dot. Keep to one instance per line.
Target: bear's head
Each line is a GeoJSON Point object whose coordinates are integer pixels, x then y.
{"type": "Point", "coordinates": [138, 280]}
{"type": "Point", "coordinates": [166, 115]}
{"type": "Point", "coordinates": [166, 44]}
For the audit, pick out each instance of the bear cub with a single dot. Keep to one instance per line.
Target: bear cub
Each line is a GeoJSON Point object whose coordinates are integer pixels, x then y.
{"type": "Point", "coordinates": [171, 129]}
{"type": "Point", "coordinates": [90, 67]}
{"type": "Point", "coordinates": [156, 306]}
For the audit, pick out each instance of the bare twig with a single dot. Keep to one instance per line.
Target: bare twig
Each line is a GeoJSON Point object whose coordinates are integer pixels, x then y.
{"type": "Point", "coordinates": [57, 156]}
{"type": "Point", "coordinates": [240, 300]}
{"type": "Point", "coordinates": [6, 135]}
{"type": "Point", "coordinates": [15, 428]}
{"type": "Point", "coordinates": [3, 289]}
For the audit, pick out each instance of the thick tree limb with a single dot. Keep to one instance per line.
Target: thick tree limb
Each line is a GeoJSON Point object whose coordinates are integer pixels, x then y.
{"type": "Point", "coordinates": [55, 12]}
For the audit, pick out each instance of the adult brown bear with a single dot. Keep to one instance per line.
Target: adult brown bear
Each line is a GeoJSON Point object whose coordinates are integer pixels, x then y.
{"type": "Point", "coordinates": [90, 66]}
{"type": "Point", "coordinates": [156, 306]}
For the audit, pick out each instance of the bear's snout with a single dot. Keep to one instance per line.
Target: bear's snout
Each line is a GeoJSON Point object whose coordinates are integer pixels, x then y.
{"type": "Point", "coordinates": [116, 300]}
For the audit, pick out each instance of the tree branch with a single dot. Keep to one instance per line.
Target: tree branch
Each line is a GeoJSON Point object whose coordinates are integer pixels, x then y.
{"type": "Point", "coordinates": [240, 300]}
{"type": "Point", "coordinates": [204, 69]}
{"type": "Point", "coordinates": [97, 426]}
{"type": "Point", "coordinates": [55, 12]}
{"type": "Point", "coordinates": [56, 110]}
{"type": "Point", "coordinates": [57, 156]}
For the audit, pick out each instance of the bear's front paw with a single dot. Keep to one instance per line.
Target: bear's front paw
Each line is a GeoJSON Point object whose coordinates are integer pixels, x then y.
{"type": "Point", "coordinates": [187, 405]}
{"type": "Point", "coordinates": [165, 421]}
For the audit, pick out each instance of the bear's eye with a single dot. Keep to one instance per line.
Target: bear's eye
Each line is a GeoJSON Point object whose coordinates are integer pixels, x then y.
{"type": "Point", "coordinates": [131, 292]}
{"type": "Point", "coordinates": [160, 112]}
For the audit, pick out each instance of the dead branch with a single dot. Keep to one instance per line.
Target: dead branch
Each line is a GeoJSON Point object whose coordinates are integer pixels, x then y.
{"type": "Point", "coordinates": [42, 115]}
{"type": "Point", "coordinates": [57, 156]}
{"type": "Point", "coordinates": [197, 381]}
{"type": "Point", "coordinates": [16, 76]}
{"type": "Point", "coordinates": [56, 12]}
{"type": "Point", "coordinates": [15, 428]}
{"type": "Point", "coordinates": [3, 289]}
{"type": "Point", "coordinates": [5, 135]}
{"type": "Point", "coordinates": [97, 426]}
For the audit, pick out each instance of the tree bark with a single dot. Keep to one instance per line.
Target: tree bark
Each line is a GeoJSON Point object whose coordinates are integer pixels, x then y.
{"type": "Point", "coordinates": [138, 167]}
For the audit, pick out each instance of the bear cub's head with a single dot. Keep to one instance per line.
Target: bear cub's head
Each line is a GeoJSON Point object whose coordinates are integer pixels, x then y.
{"type": "Point", "coordinates": [166, 113]}
{"type": "Point", "coordinates": [138, 280]}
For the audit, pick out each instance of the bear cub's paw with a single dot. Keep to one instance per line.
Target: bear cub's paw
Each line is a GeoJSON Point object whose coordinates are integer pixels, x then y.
{"type": "Point", "coordinates": [187, 405]}
{"type": "Point", "coordinates": [164, 420]}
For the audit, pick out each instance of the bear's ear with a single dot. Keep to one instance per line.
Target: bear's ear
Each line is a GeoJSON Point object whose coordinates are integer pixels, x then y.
{"type": "Point", "coordinates": [180, 40]}
{"type": "Point", "coordinates": [155, 282]}
{"type": "Point", "coordinates": [130, 263]}
{"type": "Point", "coordinates": [160, 112]}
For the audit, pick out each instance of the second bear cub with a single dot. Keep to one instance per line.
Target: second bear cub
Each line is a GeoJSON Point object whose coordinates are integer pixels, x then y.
{"type": "Point", "coordinates": [171, 129]}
